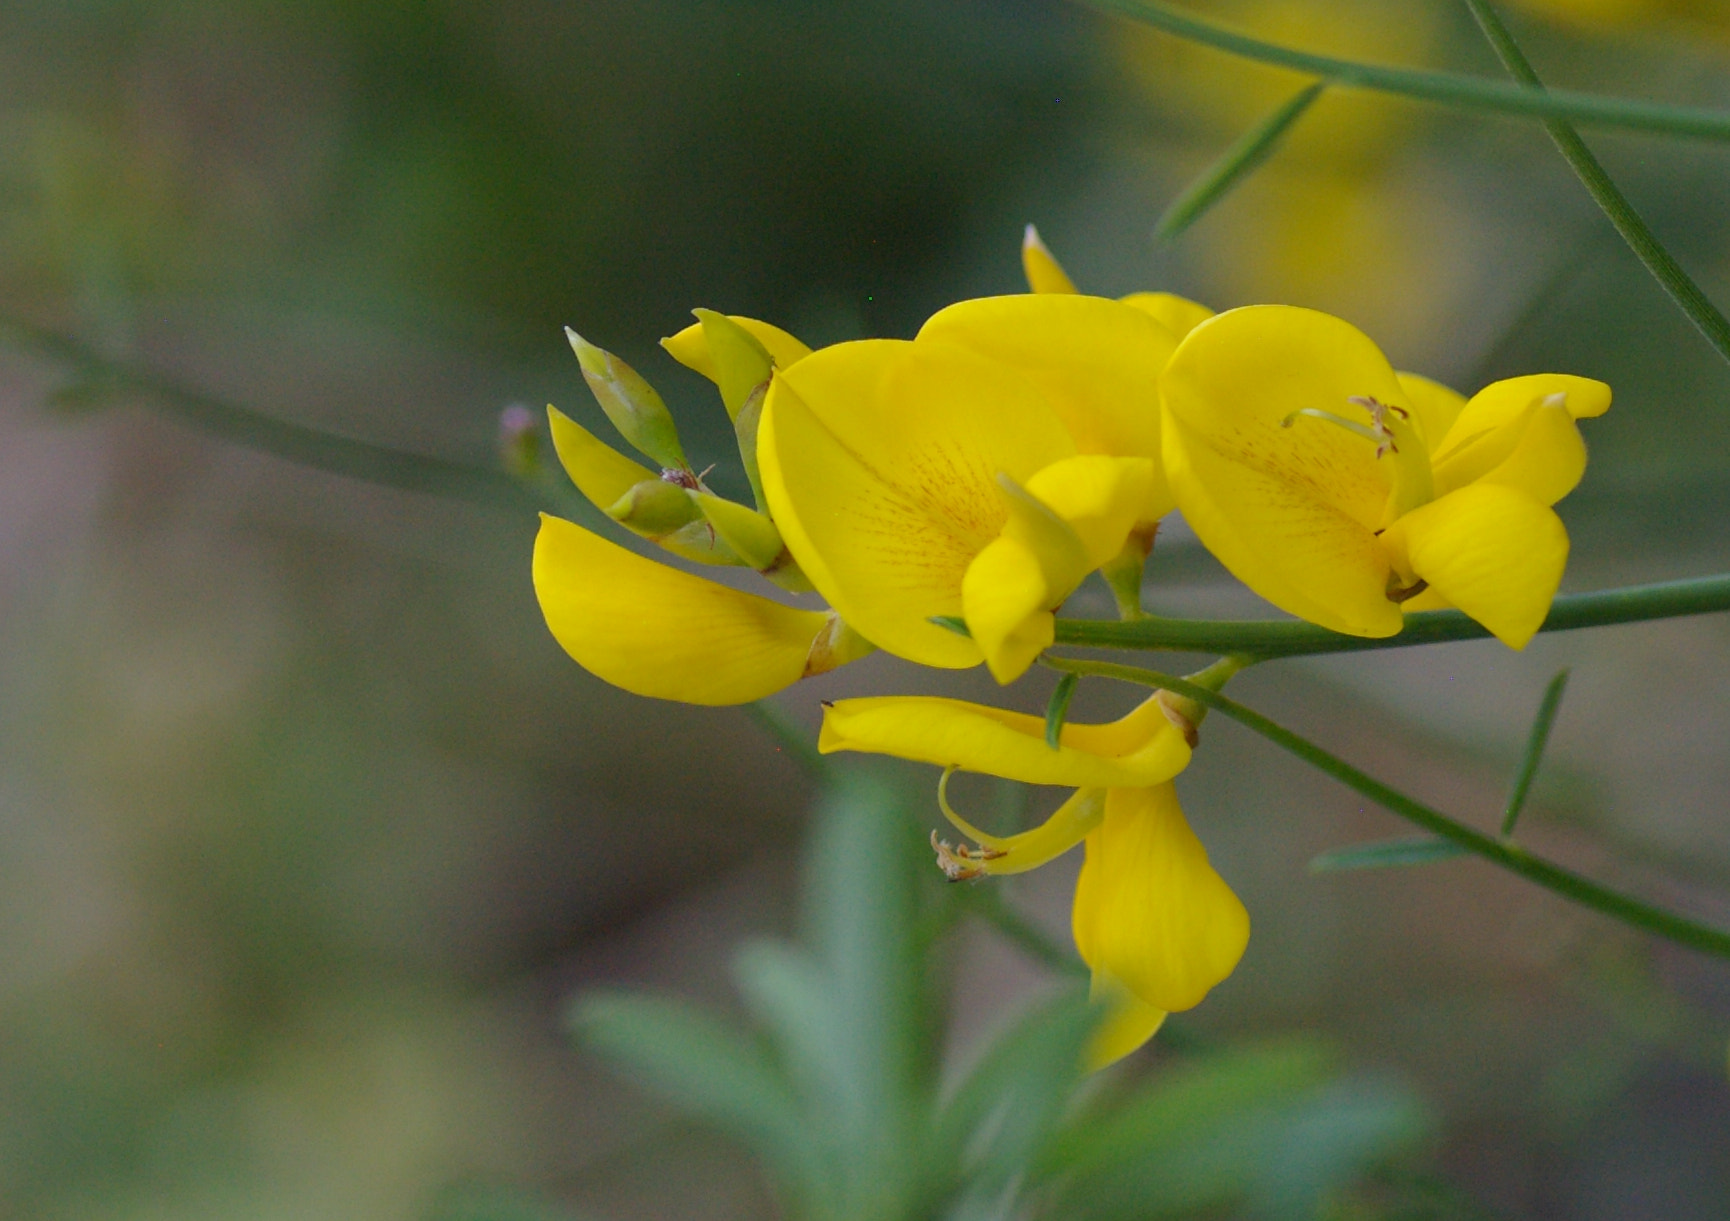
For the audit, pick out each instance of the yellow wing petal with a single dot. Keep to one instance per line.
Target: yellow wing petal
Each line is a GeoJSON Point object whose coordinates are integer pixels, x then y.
{"type": "Point", "coordinates": [1547, 462]}
{"type": "Point", "coordinates": [1096, 361]}
{"type": "Point", "coordinates": [690, 347]}
{"type": "Point", "coordinates": [1149, 909]}
{"type": "Point", "coordinates": [1502, 402]}
{"type": "Point", "coordinates": [1141, 748]}
{"type": "Point", "coordinates": [1179, 315]}
{"type": "Point", "coordinates": [1492, 551]}
{"type": "Point", "coordinates": [656, 631]}
{"type": "Point", "coordinates": [880, 461]}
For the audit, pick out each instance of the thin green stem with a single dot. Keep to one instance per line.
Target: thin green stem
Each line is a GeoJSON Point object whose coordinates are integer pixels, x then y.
{"type": "Point", "coordinates": [1272, 638]}
{"type": "Point", "coordinates": [1552, 877]}
{"type": "Point", "coordinates": [1442, 88]}
{"type": "Point", "coordinates": [1687, 295]}
{"type": "Point", "coordinates": [1536, 740]}
{"type": "Point", "coordinates": [1245, 155]}
{"type": "Point", "coordinates": [300, 443]}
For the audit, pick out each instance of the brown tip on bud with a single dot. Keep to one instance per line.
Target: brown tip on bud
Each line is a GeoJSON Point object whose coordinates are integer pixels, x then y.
{"type": "Point", "coordinates": [1182, 712]}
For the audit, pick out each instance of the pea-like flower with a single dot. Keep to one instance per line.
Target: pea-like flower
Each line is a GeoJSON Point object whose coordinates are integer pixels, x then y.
{"type": "Point", "coordinates": [1155, 923]}
{"type": "Point", "coordinates": [1342, 491]}
{"type": "Point", "coordinates": [979, 471]}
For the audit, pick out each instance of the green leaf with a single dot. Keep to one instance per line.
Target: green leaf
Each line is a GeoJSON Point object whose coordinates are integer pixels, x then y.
{"type": "Point", "coordinates": [1058, 709]}
{"type": "Point", "coordinates": [1387, 854]}
{"type": "Point", "coordinates": [1536, 740]}
{"type": "Point", "coordinates": [1245, 155]}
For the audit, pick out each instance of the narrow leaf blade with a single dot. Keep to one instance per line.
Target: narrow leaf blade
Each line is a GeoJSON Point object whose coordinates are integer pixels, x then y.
{"type": "Point", "coordinates": [1057, 711]}
{"type": "Point", "coordinates": [1234, 165]}
{"type": "Point", "coordinates": [1536, 741]}
{"type": "Point", "coordinates": [1387, 854]}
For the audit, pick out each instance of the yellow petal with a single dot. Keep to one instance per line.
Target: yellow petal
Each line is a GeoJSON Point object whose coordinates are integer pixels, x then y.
{"type": "Point", "coordinates": [690, 347]}
{"type": "Point", "coordinates": [1149, 909]}
{"type": "Point", "coordinates": [1291, 511]}
{"type": "Point", "coordinates": [1044, 273]}
{"type": "Point", "coordinates": [1179, 315]}
{"type": "Point", "coordinates": [1503, 402]}
{"type": "Point", "coordinates": [1129, 1022]}
{"type": "Point", "coordinates": [1549, 459]}
{"type": "Point", "coordinates": [1139, 749]}
{"type": "Point", "coordinates": [1434, 406]}
{"type": "Point", "coordinates": [656, 631]}
{"type": "Point", "coordinates": [601, 473]}
{"type": "Point", "coordinates": [1096, 361]}
{"type": "Point", "coordinates": [1491, 550]}
{"type": "Point", "coordinates": [880, 461]}
{"type": "Point", "coordinates": [1100, 498]}
{"type": "Point", "coordinates": [1008, 604]}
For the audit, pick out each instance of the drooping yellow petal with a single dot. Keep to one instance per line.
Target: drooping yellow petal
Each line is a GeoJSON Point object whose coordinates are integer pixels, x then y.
{"type": "Point", "coordinates": [601, 473]}
{"type": "Point", "coordinates": [690, 347]}
{"type": "Point", "coordinates": [1149, 909]}
{"type": "Point", "coordinates": [1096, 361]}
{"type": "Point", "coordinates": [1491, 550]}
{"type": "Point", "coordinates": [880, 463]}
{"type": "Point", "coordinates": [1179, 315]}
{"type": "Point", "coordinates": [1044, 273]}
{"type": "Point", "coordinates": [1291, 511]}
{"type": "Point", "coordinates": [1008, 601]}
{"type": "Point", "coordinates": [1434, 406]}
{"type": "Point", "coordinates": [1139, 749]}
{"type": "Point", "coordinates": [1129, 1022]}
{"type": "Point", "coordinates": [656, 631]}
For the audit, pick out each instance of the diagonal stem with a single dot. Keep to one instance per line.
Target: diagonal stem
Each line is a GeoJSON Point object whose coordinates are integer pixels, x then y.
{"type": "Point", "coordinates": [1687, 295]}
{"type": "Point", "coordinates": [1565, 882]}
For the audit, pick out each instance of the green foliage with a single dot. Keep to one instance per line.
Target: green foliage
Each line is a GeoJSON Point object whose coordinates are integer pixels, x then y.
{"type": "Point", "coordinates": [839, 1091]}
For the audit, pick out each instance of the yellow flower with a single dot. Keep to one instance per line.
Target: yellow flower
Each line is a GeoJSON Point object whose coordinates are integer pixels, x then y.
{"type": "Point", "coordinates": [655, 630]}
{"type": "Point", "coordinates": [1155, 923]}
{"type": "Point", "coordinates": [1339, 489]}
{"type": "Point", "coordinates": [981, 470]}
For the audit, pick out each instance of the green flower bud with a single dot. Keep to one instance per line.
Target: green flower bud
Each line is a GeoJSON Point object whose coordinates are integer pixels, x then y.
{"type": "Point", "coordinates": [654, 508]}
{"type": "Point", "coordinates": [742, 364]}
{"type": "Point", "coordinates": [755, 539]}
{"type": "Point", "coordinates": [630, 403]}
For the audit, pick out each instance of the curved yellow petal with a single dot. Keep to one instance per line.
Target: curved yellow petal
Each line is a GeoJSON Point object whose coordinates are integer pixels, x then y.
{"type": "Point", "coordinates": [1044, 273]}
{"type": "Point", "coordinates": [1549, 459]}
{"type": "Point", "coordinates": [1291, 511]}
{"type": "Point", "coordinates": [601, 473]}
{"type": "Point", "coordinates": [1179, 315]}
{"type": "Point", "coordinates": [1434, 406]}
{"type": "Point", "coordinates": [1149, 909]}
{"type": "Point", "coordinates": [656, 631]}
{"type": "Point", "coordinates": [1491, 550]}
{"type": "Point", "coordinates": [1001, 855]}
{"type": "Point", "coordinates": [690, 347]}
{"type": "Point", "coordinates": [1096, 361]}
{"type": "Point", "coordinates": [1008, 603]}
{"type": "Point", "coordinates": [1139, 749]}
{"type": "Point", "coordinates": [1100, 498]}
{"type": "Point", "coordinates": [1503, 402]}
{"type": "Point", "coordinates": [880, 463]}
{"type": "Point", "coordinates": [1129, 1022]}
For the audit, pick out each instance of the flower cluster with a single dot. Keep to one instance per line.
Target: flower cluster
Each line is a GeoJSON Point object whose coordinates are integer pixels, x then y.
{"type": "Point", "coordinates": [974, 476]}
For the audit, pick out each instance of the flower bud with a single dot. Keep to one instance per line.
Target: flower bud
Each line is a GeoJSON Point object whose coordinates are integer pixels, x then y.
{"type": "Point", "coordinates": [741, 363]}
{"type": "Point", "coordinates": [519, 443]}
{"type": "Point", "coordinates": [630, 403]}
{"type": "Point", "coordinates": [755, 540]}
{"type": "Point", "coordinates": [654, 508]}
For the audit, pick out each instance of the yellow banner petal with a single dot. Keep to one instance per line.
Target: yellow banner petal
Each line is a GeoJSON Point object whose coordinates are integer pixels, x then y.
{"type": "Point", "coordinates": [1149, 909]}
{"type": "Point", "coordinates": [660, 632]}
{"type": "Point", "coordinates": [1139, 749]}
{"type": "Point", "coordinates": [880, 462]}
{"type": "Point", "coordinates": [1489, 549]}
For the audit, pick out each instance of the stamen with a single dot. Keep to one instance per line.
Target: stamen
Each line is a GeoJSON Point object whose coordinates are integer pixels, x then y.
{"type": "Point", "coordinates": [1363, 430]}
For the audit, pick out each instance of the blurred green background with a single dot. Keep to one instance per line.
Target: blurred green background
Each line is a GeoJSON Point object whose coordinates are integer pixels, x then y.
{"type": "Point", "coordinates": [308, 831]}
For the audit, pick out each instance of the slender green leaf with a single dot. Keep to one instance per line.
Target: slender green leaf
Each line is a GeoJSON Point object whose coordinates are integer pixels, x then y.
{"type": "Point", "coordinates": [1057, 711]}
{"type": "Point", "coordinates": [1688, 296]}
{"type": "Point", "coordinates": [1387, 854]}
{"type": "Point", "coordinates": [1265, 639]}
{"type": "Point", "coordinates": [1443, 88]}
{"type": "Point", "coordinates": [1552, 877]}
{"type": "Point", "coordinates": [1245, 155]}
{"type": "Point", "coordinates": [1536, 740]}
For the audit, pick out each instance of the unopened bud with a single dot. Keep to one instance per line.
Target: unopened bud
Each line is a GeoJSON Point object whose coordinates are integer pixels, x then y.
{"type": "Point", "coordinates": [755, 540]}
{"type": "Point", "coordinates": [630, 403]}
{"type": "Point", "coordinates": [741, 363]}
{"type": "Point", "coordinates": [654, 508]}
{"type": "Point", "coordinates": [519, 441]}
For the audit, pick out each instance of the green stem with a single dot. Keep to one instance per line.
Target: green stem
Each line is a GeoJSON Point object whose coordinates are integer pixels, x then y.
{"type": "Point", "coordinates": [1442, 88]}
{"type": "Point", "coordinates": [1272, 638]}
{"type": "Point", "coordinates": [1234, 165]}
{"type": "Point", "coordinates": [1608, 196]}
{"type": "Point", "coordinates": [313, 447]}
{"type": "Point", "coordinates": [1511, 857]}
{"type": "Point", "coordinates": [1536, 740]}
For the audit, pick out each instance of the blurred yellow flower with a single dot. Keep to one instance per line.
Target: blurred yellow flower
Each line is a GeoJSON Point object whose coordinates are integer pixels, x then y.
{"type": "Point", "coordinates": [1339, 489]}
{"type": "Point", "coordinates": [1155, 923]}
{"type": "Point", "coordinates": [981, 470]}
